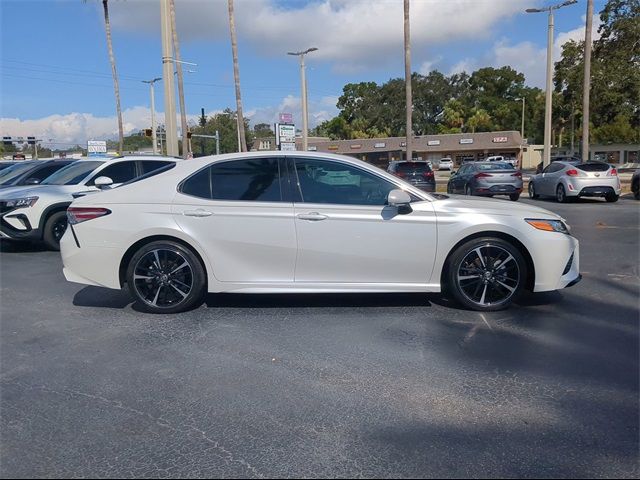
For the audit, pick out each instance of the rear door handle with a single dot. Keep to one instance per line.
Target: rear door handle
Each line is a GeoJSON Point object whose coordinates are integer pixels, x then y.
{"type": "Point", "coordinates": [197, 213]}
{"type": "Point", "coordinates": [313, 216]}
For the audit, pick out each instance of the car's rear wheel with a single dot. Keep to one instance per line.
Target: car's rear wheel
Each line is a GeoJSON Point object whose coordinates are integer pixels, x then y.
{"type": "Point", "coordinates": [54, 229]}
{"type": "Point", "coordinates": [561, 195]}
{"type": "Point", "coordinates": [486, 274]}
{"type": "Point", "coordinates": [514, 197]}
{"type": "Point", "coordinates": [532, 191]}
{"type": "Point", "coordinates": [449, 189]}
{"type": "Point", "coordinates": [611, 197]}
{"type": "Point", "coordinates": [166, 277]}
{"type": "Point", "coordinates": [468, 190]}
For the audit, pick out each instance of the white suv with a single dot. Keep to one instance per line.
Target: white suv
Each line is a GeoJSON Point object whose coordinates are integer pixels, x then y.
{"type": "Point", "coordinates": [39, 212]}
{"type": "Point", "coordinates": [500, 158]}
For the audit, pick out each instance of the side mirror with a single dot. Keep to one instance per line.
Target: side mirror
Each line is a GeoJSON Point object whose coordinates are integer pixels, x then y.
{"type": "Point", "coordinates": [401, 200]}
{"type": "Point", "coordinates": [453, 172]}
{"type": "Point", "coordinates": [32, 181]}
{"type": "Point", "coordinates": [103, 182]}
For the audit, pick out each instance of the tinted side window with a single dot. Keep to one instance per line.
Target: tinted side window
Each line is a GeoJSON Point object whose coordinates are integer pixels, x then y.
{"type": "Point", "coordinates": [198, 185]}
{"type": "Point", "coordinates": [151, 165]}
{"type": "Point", "coordinates": [118, 172]}
{"type": "Point", "coordinates": [248, 180]}
{"type": "Point", "coordinates": [337, 183]}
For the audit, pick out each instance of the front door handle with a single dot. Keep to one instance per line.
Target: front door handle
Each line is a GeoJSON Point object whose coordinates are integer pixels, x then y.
{"type": "Point", "coordinates": [197, 213]}
{"type": "Point", "coordinates": [312, 216]}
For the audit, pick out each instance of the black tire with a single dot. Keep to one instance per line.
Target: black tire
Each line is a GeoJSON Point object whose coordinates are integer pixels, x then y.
{"type": "Point", "coordinates": [561, 194]}
{"type": "Point", "coordinates": [179, 283]}
{"type": "Point", "coordinates": [468, 190]}
{"type": "Point", "coordinates": [487, 282]}
{"type": "Point", "coordinates": [611, 197]}
{"type": "Point", "coordinates": [54, 229]}
{"type": "Point", "coordinates": [635, 188]}
{"type": "Point", "coordinates": [532, 191]}
{"type": "Point", "coordinates": [514, 197]}
{"type": "Point", "coordinates": [449, 189]}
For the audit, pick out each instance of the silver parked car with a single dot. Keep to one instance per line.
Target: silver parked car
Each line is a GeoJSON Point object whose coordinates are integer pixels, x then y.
{"type": "Point", "coordinates": [567, 181]}
{"type": "Point", "coordinates": [487, 179]}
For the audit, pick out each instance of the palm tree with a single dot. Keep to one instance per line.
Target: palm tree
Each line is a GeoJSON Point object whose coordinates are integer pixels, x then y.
{"type": "Point", "coordinates": [183, 113]}
{"type": "Point", "coordinates": [114, 72]}
{"type": "Point", "coordinates": [242, 141]}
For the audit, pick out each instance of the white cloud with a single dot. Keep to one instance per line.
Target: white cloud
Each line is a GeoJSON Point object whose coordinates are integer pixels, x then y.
{"type": "Point", "coordinates": [59, 131]}
{"type": "Point", "coordinates": [426, 66]}
{"type": "Point", "coordinates": [525, 57]}
{"type": "Point", "coordinates": [353, 34]}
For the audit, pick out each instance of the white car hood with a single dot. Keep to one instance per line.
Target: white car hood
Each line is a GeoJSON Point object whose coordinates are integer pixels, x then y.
{"type": "Point", "coordinates": [40, 190]}
{"type": "Point", "coordinates": [462, 203]}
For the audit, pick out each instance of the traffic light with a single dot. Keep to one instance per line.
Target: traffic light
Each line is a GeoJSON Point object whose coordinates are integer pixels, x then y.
{"type": "Point", "coordinates": [31, 140]}
{"type": "Point", "coordinates": [148, 132]}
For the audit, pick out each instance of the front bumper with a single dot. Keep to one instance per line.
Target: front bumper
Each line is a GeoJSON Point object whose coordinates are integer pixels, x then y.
{"type": "Point", "coordinates": [15, 224]}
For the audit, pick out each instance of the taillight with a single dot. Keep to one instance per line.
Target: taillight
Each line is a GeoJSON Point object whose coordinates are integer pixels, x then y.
{"type": "Point", "coordinates": [77, 215]}
{"type": "Point", "coordinates": [517, 174]}
{"type": "Point", "coordinates": [428, 174]}
{"type": "Point", "coordinates": [613, 172]}
{"type": "Point", "coordinates": [482, 175]}
{"type": "Point", "coordinates": [401, 175]}
{"type": "Point", "coordinates": [572, 173]}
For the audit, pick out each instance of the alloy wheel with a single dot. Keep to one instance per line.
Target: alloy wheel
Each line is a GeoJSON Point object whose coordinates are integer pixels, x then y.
{"type": "Point", "coordinates": [488, 275]}
{"type": "Point", "coordinates": [163, 278]}
{"type": "Point", "coordinates": [58, 228]}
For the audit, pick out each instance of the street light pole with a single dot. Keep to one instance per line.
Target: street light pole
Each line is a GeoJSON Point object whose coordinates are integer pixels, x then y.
{"type": "Point", "coordinates": [407, 80]}
{"type": "Point", "coordinates": [303, 81]}
{"type": "Point", "coordinates": [587, 82]}
{"type": "Point", "coordinates": [153, 114]}
{"type": "Point", "coordinates": [546, 159]}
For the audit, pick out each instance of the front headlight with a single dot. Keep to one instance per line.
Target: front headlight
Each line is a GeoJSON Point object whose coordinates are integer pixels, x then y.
{"type": "Point", "coordinates": [21, 202]}
{"type": "Point", "coordinates": [548, 225]}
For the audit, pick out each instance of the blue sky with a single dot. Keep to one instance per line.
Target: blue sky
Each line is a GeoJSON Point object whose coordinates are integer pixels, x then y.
{"type": "Point", "coordinates": [56, 81]}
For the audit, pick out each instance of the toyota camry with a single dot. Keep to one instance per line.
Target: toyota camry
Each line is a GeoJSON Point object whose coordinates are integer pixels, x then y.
{"type": "Point", "coordinates": [304, 222]}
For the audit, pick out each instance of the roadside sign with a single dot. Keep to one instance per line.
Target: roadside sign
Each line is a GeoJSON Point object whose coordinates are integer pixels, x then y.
{"type": "Point", "coordinates": [286, 136]}
{"type": "Point", "coordinates": [96, 148]}
{"type": "Point", "coordinates": [285, 118]}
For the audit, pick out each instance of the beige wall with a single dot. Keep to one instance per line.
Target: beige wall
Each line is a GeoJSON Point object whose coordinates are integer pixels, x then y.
{"type": "Point", "coordinates": [532, 157]}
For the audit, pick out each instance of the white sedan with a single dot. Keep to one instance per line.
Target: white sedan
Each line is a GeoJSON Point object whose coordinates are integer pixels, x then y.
{"type": "Point", "coordinates": [309, 223]}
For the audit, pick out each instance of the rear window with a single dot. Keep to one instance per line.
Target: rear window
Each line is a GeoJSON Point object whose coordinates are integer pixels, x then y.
{"type": "Point", "coordinates": [593, 167]}
{"type": "Point", "coordinates": [495, 166]}
{"type": "Point", "coordinates": [413, 167]}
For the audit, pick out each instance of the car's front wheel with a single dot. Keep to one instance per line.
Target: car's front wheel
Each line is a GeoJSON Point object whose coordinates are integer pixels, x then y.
{"type": "Point", "coordinates": [532, 191]}
{"type": "Point", "coordinates": [486, 274]}
{"type": "Point", "coordinates": [54, 229]}
{"type": "Point", "coordinates": [166, 277]}
{"type": "Point", "coordinates": [561, 194]}
{"type": "Point", "coordinates": [514, 197]}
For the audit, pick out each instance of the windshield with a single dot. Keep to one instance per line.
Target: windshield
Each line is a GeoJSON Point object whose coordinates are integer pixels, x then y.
{"type": "Point", "coordinates": [413, 167]}
{"type": "Point", "coordinates": [71, 174]}
{"type": "Point", "coordinates": [495, 166]}
{"type": "Point", "coordinates": [14, 171]}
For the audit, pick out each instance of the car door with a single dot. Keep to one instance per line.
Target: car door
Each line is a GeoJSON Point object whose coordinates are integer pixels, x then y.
{"type": "Point", "coordinates": [346, 232]}
{"type": "Point", "coordinates": [548, 179]}
{"type": "Point", "coordinates": [459, 179]}
{"type": "Point", "coordinates": [237, 211]}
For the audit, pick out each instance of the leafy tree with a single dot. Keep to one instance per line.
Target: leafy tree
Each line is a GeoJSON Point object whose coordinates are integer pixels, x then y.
{"type": "Point", "coordinates": [263, 130]}
{"type": "Point", "coordinates": [225, 124]}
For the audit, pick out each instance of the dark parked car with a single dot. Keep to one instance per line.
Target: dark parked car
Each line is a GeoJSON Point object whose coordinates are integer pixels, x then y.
{"type": "Point", "coordinates": [635, 184]}
{"type": "Point", "coordinates": [417, 173]}
{"type": "Point", "coordinates": [487, 179]}
{"type": "Point", "coordinates": [30, 172]}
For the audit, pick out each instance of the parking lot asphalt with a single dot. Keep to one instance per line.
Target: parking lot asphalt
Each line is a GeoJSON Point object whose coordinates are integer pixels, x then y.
{"type": "Point", "coordinates": [326, 385]}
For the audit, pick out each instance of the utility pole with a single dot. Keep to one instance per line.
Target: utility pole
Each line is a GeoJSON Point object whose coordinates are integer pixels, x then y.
{"type": "Point", "coordinates": [303, 81]}
{"type": "Point", "coordinates": [546, 158]}
{"type": "Point", "coordinates": [407, 81]}
{"type": "Point", "coordinates": [171, 128]}
{"type": "Point", "coordinates": [186, 145]}
{"type": "Point", "coordinates": [154, 138]}
{"type": "Point", "coordinates": [586, 91]}
{"type": "Point", "coordinates": [242, 140]}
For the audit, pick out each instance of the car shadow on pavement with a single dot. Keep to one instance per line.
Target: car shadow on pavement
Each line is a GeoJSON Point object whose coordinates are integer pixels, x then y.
{"type": "Point", "coordinates": [102, 298]}
{"type": "Point", "coordinates": [8, 246]}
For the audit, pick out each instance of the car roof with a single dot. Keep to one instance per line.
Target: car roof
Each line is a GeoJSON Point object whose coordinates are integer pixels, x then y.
{"type": "Point", "coordinates": [128, 157]}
